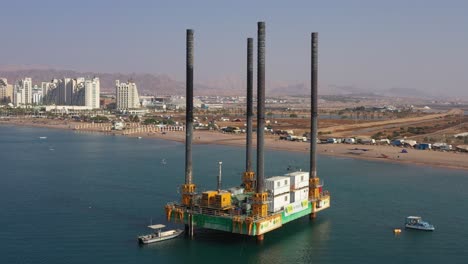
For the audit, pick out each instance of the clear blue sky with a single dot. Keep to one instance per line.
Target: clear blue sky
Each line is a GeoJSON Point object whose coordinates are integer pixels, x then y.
{"type": "Point", "coordinates": [369, 44]}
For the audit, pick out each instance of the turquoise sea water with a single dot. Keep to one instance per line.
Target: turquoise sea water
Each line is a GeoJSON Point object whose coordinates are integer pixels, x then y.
{"type": "Point", "coordinates": [83, 198]}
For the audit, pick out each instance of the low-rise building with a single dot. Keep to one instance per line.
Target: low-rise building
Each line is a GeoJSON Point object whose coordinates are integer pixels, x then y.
{"type": "Point", "coordinates": [67, 109]}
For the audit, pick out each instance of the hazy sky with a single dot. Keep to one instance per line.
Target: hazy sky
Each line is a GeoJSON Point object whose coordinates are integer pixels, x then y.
{"type": "Point", "coordinates": [369, 44]}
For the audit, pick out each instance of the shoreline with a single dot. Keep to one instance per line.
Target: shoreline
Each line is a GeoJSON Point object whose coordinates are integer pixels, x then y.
{"type": "Point", "coordinates": [438, 159]}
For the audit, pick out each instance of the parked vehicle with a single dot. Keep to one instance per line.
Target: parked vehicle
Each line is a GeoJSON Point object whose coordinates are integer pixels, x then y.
{"type": "Point", "coordinates": [384, 141]}
{"type": "Point", "coordinates": [235, 130]}
{"type": "Point", "coordinates": [367, 141]}
{"type": "Point", "coordinates": [397, 142]}
{"type": "Point", "coordinates": [442, 146]}
{"type": "Point", "coordinates": [446, 147]}
{"type": "Point", "coordinates": [296, 138]}
{"type": "Point", "coordinates": [424, 146]}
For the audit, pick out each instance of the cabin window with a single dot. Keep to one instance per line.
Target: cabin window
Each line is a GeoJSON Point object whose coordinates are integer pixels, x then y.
{"type": "Point", "coordinates": [302, 178]}
{"type": "Point", "coordinates": [285, 198]}
{"type": "Point", "coordinates": [285, 182]}
{"type": "Point", "coordinates": [278, 184]}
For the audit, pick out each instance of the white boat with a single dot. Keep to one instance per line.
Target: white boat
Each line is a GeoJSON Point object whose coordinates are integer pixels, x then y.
{"type": "Point", "coordinates": [416, 222]}
{"type": "Point", "coordinates": [159, 235]}
{"type": "Point", "coordinates": [42, 137]}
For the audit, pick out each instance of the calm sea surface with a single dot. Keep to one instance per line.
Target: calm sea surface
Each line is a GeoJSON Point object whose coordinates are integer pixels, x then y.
{"type": "Point", "coordinates": [83, 198]}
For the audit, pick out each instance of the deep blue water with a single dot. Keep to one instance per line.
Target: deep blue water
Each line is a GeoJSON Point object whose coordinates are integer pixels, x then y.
{"type": "Point", "coordinates": [83, 198]}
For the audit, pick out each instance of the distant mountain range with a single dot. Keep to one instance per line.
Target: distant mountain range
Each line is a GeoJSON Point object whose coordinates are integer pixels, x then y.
{"type": "Point", "coordinates": [147, 83]}
{"type": "Point", "coordinates": [304, 88]}
{"type": "Point", "coordinates": [164, 85]}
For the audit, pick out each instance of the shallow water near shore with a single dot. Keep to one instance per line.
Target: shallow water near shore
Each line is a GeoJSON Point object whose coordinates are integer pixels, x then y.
{"type": "Point", "coordinates": [83, 198]}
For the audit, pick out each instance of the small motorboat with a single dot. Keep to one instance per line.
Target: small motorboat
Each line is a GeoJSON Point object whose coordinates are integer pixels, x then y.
{"type": "Point", "coordinates": [159, 235]}
{"type": "Point", "coordinates": [416, 222]}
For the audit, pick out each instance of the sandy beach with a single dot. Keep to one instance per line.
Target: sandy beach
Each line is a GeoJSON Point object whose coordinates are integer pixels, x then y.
{"type": "Point", "coordinates": [453, 160]}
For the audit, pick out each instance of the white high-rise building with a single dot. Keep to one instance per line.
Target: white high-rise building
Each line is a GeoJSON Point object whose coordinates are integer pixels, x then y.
{"type": "Point", "coordinates": [47, 86]}
{"type": "Point", "coordinates": [126, 95]}
{"type": "Point", "coordinates": [23, 92]}
{"type": "Point", "coordinates": [6, 91]}
{"type": "Point", "coordinates": [19, 98]}
{"type": "Point", "coordinates": [27, 86]}
{"type": "Point", "coordinates": [49, 92]}
{"type": "Point", "coordinates": [37, 95]}
{"type": "Point", "coordinates": [65, 89]}
{"type": "Point", "coordinates": [92, 91]}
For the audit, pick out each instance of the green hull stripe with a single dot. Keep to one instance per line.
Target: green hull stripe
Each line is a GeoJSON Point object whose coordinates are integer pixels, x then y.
{"type": "Point", "coordinates": [226, 224]}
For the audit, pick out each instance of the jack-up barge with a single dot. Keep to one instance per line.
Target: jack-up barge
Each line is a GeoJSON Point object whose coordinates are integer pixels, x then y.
{"type": "Point", "coordinates": [258, 205]}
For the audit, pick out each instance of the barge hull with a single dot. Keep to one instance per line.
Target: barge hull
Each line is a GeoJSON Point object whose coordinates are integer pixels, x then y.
{"type": "Point", "coordinates": [241, 225]}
